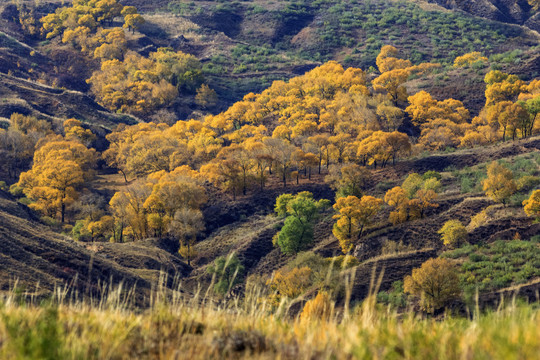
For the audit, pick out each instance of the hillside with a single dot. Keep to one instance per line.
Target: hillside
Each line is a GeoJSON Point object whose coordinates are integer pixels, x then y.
{"type": "Point", "coordinates": [244, 46]}
{"type": "Point", "coordinates": [511, 11]}
{"type": "Point", "coordinates": [38, 261]}
{"type": "Point", "coordinates": [255, 179]}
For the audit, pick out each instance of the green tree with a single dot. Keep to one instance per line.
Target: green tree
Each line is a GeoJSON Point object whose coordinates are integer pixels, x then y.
{"type": "Point", "coordinates": [301, 212]}
{"type": "Point", "coordinates": [228, 272]}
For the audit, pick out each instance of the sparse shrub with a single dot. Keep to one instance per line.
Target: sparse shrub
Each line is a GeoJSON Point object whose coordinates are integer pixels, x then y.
{"type": "Point", "coordinates": [434, 284]}
{"type": "Point", "coordinates": [432, 174]}
{"type": "Point", "coordinates": [527, 182]}
{"type": "Point", "coordinates": [395, 297]}
{"type": "Point", "coordinates": [453, 234]}
{"type": "Point", "coordinates": [393, 247]}
{"type": "Point", "coordinates": [482, 218]}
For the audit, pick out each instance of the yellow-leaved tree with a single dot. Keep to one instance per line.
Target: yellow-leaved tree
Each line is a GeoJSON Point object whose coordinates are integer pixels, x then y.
{"type": "Point", "coordinates": [353, 216]}
{"type": "Point", "coordinates": [532, 205]}
{"type": "Point", "coordinates": [434, 284]}
{"type": "Point", "coordinates": [500, 184]}
{"type": "Point", "coordinates": [60, 169]}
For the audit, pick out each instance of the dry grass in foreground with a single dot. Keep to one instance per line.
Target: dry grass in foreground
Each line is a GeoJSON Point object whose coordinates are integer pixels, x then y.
{"type": "Point", "coordinates": [175, 328]}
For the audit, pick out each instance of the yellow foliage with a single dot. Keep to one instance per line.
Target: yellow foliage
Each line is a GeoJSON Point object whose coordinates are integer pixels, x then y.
{"type": "Point", "coordinates": [435, 284]}
{"type": "Point", "coordinates": [289, 284]}
{"type": "Point", "coordinates": [499, 185]}
{"type": "Point", "coordinates": [469, 58]}
{"type": "Point", "coordinates": [532, 205]}
{"type": "Point", "coordinates": [320, 308]}
{"type": "Point", "coordinates": [353, 216]}
{"type": "Point", "coordinates": [453, 234]}
{"type": "Point", "coordinates": [60, 168]}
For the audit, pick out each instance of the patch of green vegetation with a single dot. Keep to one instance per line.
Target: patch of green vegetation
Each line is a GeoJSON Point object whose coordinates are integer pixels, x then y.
{"type": "Point", "coordinates": [498, 265]}
{"type": "Point", "coordinates": [405, 24]}
{"type": "Point", "coordinates": [524, 167]}
{"type": "Point", "coordinates": [395, 297]}
{"type": "Point", "coordinates": [470, 179]}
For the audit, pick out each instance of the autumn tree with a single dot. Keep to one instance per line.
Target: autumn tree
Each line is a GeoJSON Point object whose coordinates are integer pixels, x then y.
{"type": "Point", "coordinates": [206, 97]}
{"type": "Point", "coordinates": [500, 184]}
{"type": "Point", "coordinates": [501, 87]}
{"type": "Point", "coordinates": [127, 207]}
{"type": "Point", "coordinates": [353, 216]}
{"type": "Point", "coordinates": [225, 173]}
{"type": "Point", "coordinates": [397, 198]}
{"type": "Point", "coordinates": [395, 72]}
{"type": "Point", "coordinates": [186, 225]}
{"type": "Point", "coordinates": [453, 234]}
{"type": "Point", "coordinates": [73, 129]}
{"type": "Point", "coordinates": [319, 142]}
{"type": "Point", "coordinates": [18, 142]}
{"type": "Point", "coordinates": [423, 108]}
{"type": "Point", "coordinates": [171, 192]}
{"type": "Point", "coordinates": [413, 198]}
{"type": "Point", "coordinates": [412, 184]}
{"type": "Point", "coordinates": [180, 69]}
{"type": "Point", "coordinates": [469, 59]}
{"type": "Point", "coordinates": [132, 20]}
{"type": "Point", "coordinates": [347, 179]}
{"type": "Point", "coordinates": [141, 149]}
{"type": "Point", "coordinates": [60, 169]}
{"type": "Point", "coordinates": [110, 44]}
{"type": "Point", "coordinates": [301, 212]}
{"type": "Point", "coordinates": [532, 106]}
{"type": "Point", "coordinates": [320, 308]}
{"type": "Point", "coordinates": [434, 284]}
{"type": "Point", "coordinates": [510, 117]}
{"type": "Point", "coordinates": [532, 205]}
{"type": "Point", "coordinates": [398, 144]}
{"type": "Point", "coordinates": [391, 117]}
{"type": "Point", "coordinates": [289, 284]}
{"type": "Point", "coordinates": [82, 20]}
{"type": "Point", "coordinates": [133, 85]}
{"type": "Point", "coordinates": [282, 151]}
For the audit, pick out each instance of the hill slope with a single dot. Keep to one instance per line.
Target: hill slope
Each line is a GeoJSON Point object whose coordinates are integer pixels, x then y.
{"type": "Point", "coordinates": [39, 260]}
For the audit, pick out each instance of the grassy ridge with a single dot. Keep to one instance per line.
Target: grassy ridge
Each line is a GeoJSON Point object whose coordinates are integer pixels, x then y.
{"type": "Point", "coordinates": [177, 329]}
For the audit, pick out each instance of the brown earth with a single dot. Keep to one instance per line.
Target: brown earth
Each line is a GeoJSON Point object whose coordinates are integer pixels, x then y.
{"type": "Point", "coordinates": [39, 260]}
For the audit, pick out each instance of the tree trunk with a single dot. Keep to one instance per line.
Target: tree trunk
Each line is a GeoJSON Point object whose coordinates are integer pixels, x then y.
{"type": "Point", "coordinates": [124, 174]}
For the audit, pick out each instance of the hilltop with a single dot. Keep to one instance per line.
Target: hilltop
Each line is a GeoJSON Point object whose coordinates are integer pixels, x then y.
{"type": "Point", "coordinates": [244, 46]}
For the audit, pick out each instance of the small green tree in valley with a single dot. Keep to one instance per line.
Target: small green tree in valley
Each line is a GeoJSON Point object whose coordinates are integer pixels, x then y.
{"type": "Point", "coordinates": [453, 234]}
{"type": "Point", "coordinates": [228, 271]}
{"type": "Point", "coordinates": [300, 212]}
